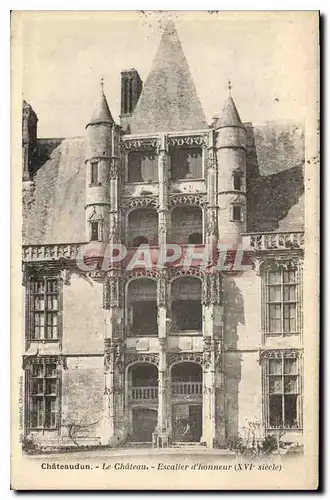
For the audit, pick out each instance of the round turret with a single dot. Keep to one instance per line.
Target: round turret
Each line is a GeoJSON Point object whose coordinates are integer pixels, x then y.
{"type": "Point", "coordinates": [231, 183]}
{"type": "Point", "coordinates": [99, 152]}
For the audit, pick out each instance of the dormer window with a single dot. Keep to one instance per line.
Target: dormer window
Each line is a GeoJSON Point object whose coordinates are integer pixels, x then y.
{"type": "Point", "coordinates": [94, 173]}
{"type": "Point", "coordinates": [237, 180]}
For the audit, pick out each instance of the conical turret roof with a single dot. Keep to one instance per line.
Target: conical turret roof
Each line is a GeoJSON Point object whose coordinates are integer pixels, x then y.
{"type": "Point", "coordinates": [229, 116]}
{"type": "Point", "coordinates": [169, 99]}
{"type": "Point", "coordinates": [101, 112]}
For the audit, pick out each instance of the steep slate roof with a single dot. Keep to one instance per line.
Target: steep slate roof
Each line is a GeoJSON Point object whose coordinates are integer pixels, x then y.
{"type": "Point", "coordinates": [229, 116]}
{"type": "Point", "coordinates": [54, 209]}
{"type": "Point", "coordinates": [169, 100]}
{"type": "Point", "coordinates": [101, 112]}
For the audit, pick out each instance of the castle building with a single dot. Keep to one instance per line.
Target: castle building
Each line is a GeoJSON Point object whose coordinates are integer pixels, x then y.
{"type": "Point", "coordinates": [125, 353]}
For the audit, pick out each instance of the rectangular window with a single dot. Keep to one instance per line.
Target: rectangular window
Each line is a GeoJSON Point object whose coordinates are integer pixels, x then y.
{"type": "Point", "coordinates": [142, 166]}
{"type": "Point", "coordinates": [44, 308]}
{"type": "Point", "coordinates": [43, 395]}
{"type": "Point", "coordinates": [144, 318]}
{"type": "Point", "coordinates": [186, 163]}
{"type": "Point", "coordinates": [187, 315]}
{"type": "Point", "coordinates": [283, 394]}
{"type": "Point", "coordinates": [94, 231]}
{"type": "Point", "coordinates": [281, 301]}
{"type": "Point", "coordinates": [237, 213]}
{"type": "Point", "coordinates": [94, 173]}
{"type": "Point", "coordinates": [237, 182]}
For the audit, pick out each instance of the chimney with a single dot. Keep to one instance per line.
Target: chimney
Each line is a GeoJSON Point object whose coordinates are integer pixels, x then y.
{"type": "Point", "coordinates": [29, 139]}
{"type": "Point", "coordinates": [131, 87]}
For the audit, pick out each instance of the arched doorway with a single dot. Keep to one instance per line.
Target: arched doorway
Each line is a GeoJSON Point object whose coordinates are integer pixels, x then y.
{"type": "Point", "coordinates": [187, 394]}
{"type": "Point", "coordinates": [143, 400]}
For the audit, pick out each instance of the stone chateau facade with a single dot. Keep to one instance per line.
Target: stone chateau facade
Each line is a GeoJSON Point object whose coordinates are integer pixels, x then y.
{"type": "Point", "coordinates": [174, 355]}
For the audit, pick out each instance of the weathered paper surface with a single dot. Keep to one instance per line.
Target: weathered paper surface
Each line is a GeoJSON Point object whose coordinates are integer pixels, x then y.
{"type": "Point", "coordinates": [233, 354]}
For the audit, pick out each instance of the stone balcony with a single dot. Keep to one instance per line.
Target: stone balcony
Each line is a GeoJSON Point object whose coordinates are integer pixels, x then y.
{"type": "Point", "coordinates": [265, 242]}
{"type": "Point", "coordinates": [67, 251]}
{"type": "Point", "coordinates": [146, 393]}
{"type": "Point", "coordinates": [179, 390]}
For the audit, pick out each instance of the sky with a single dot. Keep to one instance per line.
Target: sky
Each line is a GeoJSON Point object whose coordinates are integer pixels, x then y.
{"type": "Point", "coordinates": [270, 58]}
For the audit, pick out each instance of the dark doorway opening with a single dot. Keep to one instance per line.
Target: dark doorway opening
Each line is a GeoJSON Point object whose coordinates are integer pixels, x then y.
{"type": "Point", "coordinates": [144, 424]}
{"type": "Point", "coordinates": [187, 423]}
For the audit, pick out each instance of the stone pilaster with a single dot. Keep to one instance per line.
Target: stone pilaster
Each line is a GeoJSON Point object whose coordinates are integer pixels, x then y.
{"type": "Point", "coordinates": [162, 388]}
{"type": "Point", "coordinates": [211, 182]}
{"type": "Point", "coordinates": [163, 177]}
{"type": "Point", "coordinates": [114, 179]}
{"type": "Point", "coordinates": [213, 396]}
{"type": "Point", "coordinates": [162, 299]}
{"type": "Point", "coordinates": [113, 359]}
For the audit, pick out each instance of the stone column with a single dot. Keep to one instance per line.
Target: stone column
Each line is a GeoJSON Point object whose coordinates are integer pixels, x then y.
{"type": "Point", "coordinates": [114, 235]}
{"type": "Point", "coordinates": [212, 353]}
{"type": "Point", "coordinates": [113, 359]}
{"type": "Point", "coordinates": [163, 209]}
{"type": "Point", "coordinates": [208, 393]}
{"type": "Point", "coordinates": [162, 294]}
{"type": "Point", "coordinates": [211, 182]}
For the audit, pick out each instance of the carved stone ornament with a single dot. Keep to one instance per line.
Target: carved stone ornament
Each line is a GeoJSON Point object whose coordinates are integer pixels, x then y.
{"type": "Point", "coordinates": [280, 354]}
{"type": "Point", "coordinates": [257, 265]}
{"type": "Point", "coordinates": [211, 226]}
{"type": "Point", "coordinates": [114, 168]}
{"type": "Point", "coordinates": [277, 262]}
{"type": "Point", "coordinates": [191, 140]}
{"type": "Point", "coordinates": [218, 349]}
{"type": "Point", "coordinates": [212, 289]}
{"type": "Point", "coordinates": [36, 358]}
{"type": "Point", "coordinates": [113, 354]}
{"type": "Point", "coordinates": [162, 291]}
{"type": "Point", "coordinates": [208, 349]}
{"type": "Point", "coordinates": [65, 275]}
{"type": "Point", "coordinates": [211, 159]}
{"type": "Point", "coordinates": [94, 216]}
{"type": "Point", "coordinates": [28, 272]}
{"type": "Point", "coordinates": [277, 241]}
{"type": "Point", "coordinates": [31, 253]}
{"type": "Point", "coordinates": [144, 273]}
{"type": "Point", "coordinates": [139, 202]}
{"type": "Point", "coordinates": [162, 343]}
{"type": "Point", "coordinates": [113, 294]}
{"type": "Point", "coordinates": [141, 358]}
{"type": "Point", "coordinates": [96, 275]}
{"type": "Point", "coordinates": [188, 199]}
{"type": "Point", "coordinates": [135, 144]}
{"type": "Point", "coordinates": [177, 272]}
{"type": "Point", "coordinates": [195, 357]}
{"type": "Point", "coordinates": [162, 227]}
